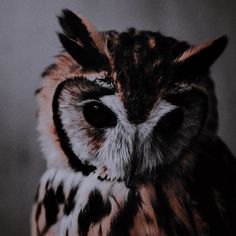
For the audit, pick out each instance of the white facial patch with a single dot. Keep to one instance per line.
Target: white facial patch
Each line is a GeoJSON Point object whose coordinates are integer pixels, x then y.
{"type": "Point", "coordinates": [117, 148]}
{"type": "Point", "coordinates": [160, 109]}
{"type": "Point", "coordinates": [119, 141]}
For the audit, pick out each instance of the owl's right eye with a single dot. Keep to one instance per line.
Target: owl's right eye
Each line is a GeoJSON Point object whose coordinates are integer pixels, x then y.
{"type": "Point", "coordinates": [99, 115]}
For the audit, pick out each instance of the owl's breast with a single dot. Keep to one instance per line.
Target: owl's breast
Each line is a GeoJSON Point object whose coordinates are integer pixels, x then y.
{"type": "Point", "coordinates": [68, 203]}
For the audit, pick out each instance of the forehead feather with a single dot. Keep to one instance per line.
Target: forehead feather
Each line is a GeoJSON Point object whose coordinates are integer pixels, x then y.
{"type": "Point", "coordinates": [140, 59]}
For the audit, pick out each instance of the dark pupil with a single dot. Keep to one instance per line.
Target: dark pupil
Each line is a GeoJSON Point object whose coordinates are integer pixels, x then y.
{"type": "Point", "coordinates": [99, 115]}
{"type": "Point", "coordinates": [171, 121]}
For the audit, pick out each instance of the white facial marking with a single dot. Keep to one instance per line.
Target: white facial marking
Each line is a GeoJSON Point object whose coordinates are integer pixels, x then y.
{"type": "Point", "coordinates": [159, 110]}
{"type": "Point", "coordinates": [119, 142]}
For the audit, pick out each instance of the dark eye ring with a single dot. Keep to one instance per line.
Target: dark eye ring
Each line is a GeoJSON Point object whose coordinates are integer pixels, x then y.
{"type": "Point", "coordinates": [98, 115]}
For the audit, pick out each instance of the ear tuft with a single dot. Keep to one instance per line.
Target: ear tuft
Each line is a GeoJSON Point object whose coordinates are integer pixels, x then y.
{"type": "Point", "coordinates": [201, 57]}
{"type": "Point", "coordinates": [75, 28]}
{"type": "Point", "coordinates": [82, 41]}
{"type": "Point", "coordinates": [75, 50]}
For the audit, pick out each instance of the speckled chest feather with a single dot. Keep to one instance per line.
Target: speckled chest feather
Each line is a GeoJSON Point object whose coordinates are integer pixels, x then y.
{"type": "Point", "coordinates": [128, 125]}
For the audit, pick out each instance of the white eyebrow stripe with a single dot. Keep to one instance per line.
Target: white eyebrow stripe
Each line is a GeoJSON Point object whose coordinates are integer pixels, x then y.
{"type": "Point", "coordinates": [117, 148]}
{"type": "Point", "coordinates": [159, 110]}
{"type": "Point", "coordinates": [115, 104]}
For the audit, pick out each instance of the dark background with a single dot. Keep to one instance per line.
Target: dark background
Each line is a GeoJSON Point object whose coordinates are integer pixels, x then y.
{"type": "Point", "coordinates": [27, 45]}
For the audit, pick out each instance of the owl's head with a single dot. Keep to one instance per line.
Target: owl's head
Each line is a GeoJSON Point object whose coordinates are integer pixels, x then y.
{"type": "Point", "coordinates": [126, 104]}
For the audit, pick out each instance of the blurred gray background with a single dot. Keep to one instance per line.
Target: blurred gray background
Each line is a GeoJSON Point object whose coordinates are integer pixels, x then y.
{"type": "Point", "coordinates": [27, 45]}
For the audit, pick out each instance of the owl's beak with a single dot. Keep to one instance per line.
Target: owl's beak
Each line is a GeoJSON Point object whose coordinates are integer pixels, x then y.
{"type": "Point", "coordinates": [136, 173]}
{"type": "Point", "coordinates": [132, 176]}
{"type": "Point", "coordinates": [131, 181]}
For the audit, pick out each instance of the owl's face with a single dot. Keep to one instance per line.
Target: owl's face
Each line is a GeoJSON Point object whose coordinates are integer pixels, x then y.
{"type": "Point", "coordinates": [137, 103]}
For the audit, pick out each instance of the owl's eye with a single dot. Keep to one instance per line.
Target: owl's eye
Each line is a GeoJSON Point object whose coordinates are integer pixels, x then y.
{"type": "Point", "coordinates": [99, 115]}
{"type": "Point", "coordinates": [171, 121]}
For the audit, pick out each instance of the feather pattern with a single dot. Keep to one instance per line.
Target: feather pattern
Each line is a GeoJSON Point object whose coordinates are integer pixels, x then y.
{"type": "Point", "coordinates": [128, 126]}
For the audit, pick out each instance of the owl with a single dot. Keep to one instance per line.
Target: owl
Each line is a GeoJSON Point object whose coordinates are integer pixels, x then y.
{"type": "Point", "coordinates": [128, 125]}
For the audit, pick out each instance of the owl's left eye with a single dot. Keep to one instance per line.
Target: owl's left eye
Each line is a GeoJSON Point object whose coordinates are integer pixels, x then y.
{"type": "Point", "coordinates": [99, 115]}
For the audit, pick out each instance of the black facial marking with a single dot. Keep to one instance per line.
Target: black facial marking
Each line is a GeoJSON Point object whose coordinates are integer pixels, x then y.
{"type": "Point", "coordinates": [38, 212]}
{"type": "Point", "coordinates": [99, 115]}
{"type": "Point", "coordinates": [83, 88]}
{"type": "Point", "coordinates": [93, 212]}
{"type": "Point", "coordinates": [70, 202]}
{"type": "Point", "coordinates": [74, 161]}
{"type": "Point", "coordinates": [37, 215]}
